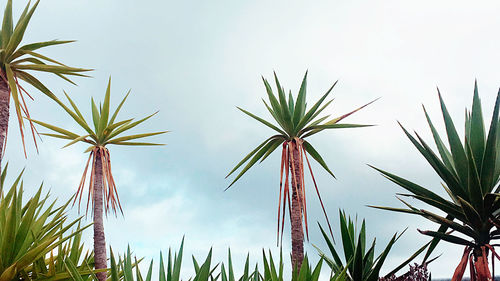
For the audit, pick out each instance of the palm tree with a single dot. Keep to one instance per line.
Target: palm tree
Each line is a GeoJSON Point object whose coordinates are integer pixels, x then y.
{"type": "Point", "coordinates": [470, 172]}
{"type": "Point", "coordinates": [295, 124]}
{"type": "Point", "coordinates": [16, 63]}
{"type": "Point", "coordinates": [102, 187]}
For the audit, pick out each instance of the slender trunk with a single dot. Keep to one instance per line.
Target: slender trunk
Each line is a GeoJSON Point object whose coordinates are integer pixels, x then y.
{"type": "Point", "coordinates": [296, 213]}
{"type": "Point", "coordinates": [481, 264]}
{"type": "Point", "coordinates": [4, 115]}
{"type": "Point", "coordinates": [99, 239]}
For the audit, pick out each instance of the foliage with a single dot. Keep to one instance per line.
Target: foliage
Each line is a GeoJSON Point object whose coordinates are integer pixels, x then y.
{"type": "Point", "coordinates": [68, 263]}
{"type": "Point", "coordinates": [206, 271]}
{"type": "Point", "coordinates": [360, 260]}
{"type": "Point", "coordinates": [294, 124]}
{"type": "Point", "coordinates": [470, 172]}
{"type": "Point", "coordinates": [29, 233]}
{"type": "Point", "coordinates": [17, 62]}
{"type": "Point", "coordinates": [106, 131]}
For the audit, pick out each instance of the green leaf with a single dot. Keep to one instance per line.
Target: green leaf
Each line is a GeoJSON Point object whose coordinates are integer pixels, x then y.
{"type": "Point", "coordinates": [256, 156]}
{"type": "Point", "coordinates": [52, 69]}
{"type": "Point", "coordinates": [35, 83]}
{"type": "Point", "coordinates": [457, 149]}
{"type": "Point", "coordinates": [489, 167]}
{"type": "Point", "coordinates": [276, 108]}
{"type": "Point", "coordinates": [284, 105]}
{"type": "Point", "coordinates": [80, 138]}
{"type": "Point", "coordinates": [310, 149]}
{"type": "Point", "coordinates": [443, 151]}
{"type": "Point", "coordinates": [290, 103]}
{"type": "Point", "coordinates": [39, 45]}
{"type": "Point", "coordinates": [276, 144]}
{"type": "Point", "coordinates": [300, 107]}
{"type": "Point", "coordinates": [410, 186]}
{"type": "Point", "coordinates": [128, 126]}
{"type": "Point", "coordinates": [446, 237]}
{"type": "Point", "coordinates": [56, 129]}
{"type": "Point", "coordinates": [132, 137]}
{"type": "Point", "coordinates": [7, 24]}
{"type": "Point", "coordinates": [103, 122]}
{"type": "Point", "coordinates": [138, 143]}
{"type": "Point", "coordinates": [95, 116]}
{"type": "Point", "coordinates": [112, 120]}
{"type": "Point", "coordinates": [318, 128]}
{"type": "Point", "coordinates": [477, 137]}
{"type": "Point", "coordinates": [263, 122]}
{"type": "Point", "coordinates": [450, 224]}
{"type": "Point", "coordinates": [18, 33]}
{"type": "Point", "coordinates": [308, 116]}
{"type": "Point", "coordinates": [250, 155]}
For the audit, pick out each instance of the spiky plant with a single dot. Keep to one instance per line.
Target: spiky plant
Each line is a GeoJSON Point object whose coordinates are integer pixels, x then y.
{"type": "Point", "coordinates": [102, 188]}
{"type": "Point", "coordinates": [30, 231]}
{"type": "Point", "coordinates": [359, 257]}
{"type": "Point", "coordinates": [470, 171]}
{"type": "Point", "coordinates": [16, 64]}
{"type": "Point", "coordinates": [295, 124]}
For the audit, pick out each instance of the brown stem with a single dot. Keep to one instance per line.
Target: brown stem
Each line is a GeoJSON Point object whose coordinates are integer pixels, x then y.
{"type": "Point", "coordinates": [99, 239]}
{"type": "Point", "coordinates": [296, 213]}
{"type": "Point", "coordinates": [481, 265]}
{"type": "Point", "coordinates": [4, 114]}
{"type": "Point", "coordinates": [459, 271]}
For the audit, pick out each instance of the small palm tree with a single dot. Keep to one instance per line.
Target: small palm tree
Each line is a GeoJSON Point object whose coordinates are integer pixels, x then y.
{"type": "Point", "coordinates": [102, 187]}
{"type": "Point", "coordinates": [16, 63]}
{"type": "Point", "coordinates": [295, 124]}
{"type": "Point", "coordinates": [470, 172]}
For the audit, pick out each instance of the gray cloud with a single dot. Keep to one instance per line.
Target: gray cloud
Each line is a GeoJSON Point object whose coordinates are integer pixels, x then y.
{"type": "Point", "coordinates": [195, 61]}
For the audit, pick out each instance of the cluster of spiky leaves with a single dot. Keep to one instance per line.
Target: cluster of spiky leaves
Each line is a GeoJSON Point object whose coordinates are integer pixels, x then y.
{"type": "Point", "coordinates": [106, 131]}
{"type": "Point", "coordinates": [206, 271]}
{"type": "Point", "coordinates": [29, 233]}
{"type": "Point", "coordinates": [16, 62]}
{"type": "Point", "coordinates": [470, 172]}
{"type": "Point", "coordinates": [360, 261]}
{"type": "Point", "coordinates": [294, 124]}
{"type": "Point", "coordinates": [67, 264]}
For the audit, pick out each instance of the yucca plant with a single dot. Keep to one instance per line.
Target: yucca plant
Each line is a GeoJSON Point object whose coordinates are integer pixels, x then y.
{"type": "Point", "coordinates": [16, 64]}
{"type": "Point", "coordinates": [306, 272]}
{"type": "Point", "coordinates": [123, 269]}
{"type": "Point", "coordinates": [359, 257]}
{"type": "Point", "coordinates": [66, 262]}
{"type": "Point", "coordinates": [102, 188]}
{"type": "Point", "coordinates": [470, 171]}
{"type": "Point", "coordinates": [29, 232]}
{"type": "Point", "coordinates": [295, 125]}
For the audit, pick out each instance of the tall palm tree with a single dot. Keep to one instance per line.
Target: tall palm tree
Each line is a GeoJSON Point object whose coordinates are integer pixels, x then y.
{"type": "Point", "coordinates": [470, 173]}
{"type": "Point", "coordinates": [16, 63]}
{"type": "Point", "coordinates": [295, 124]}
{"type": "Point", "coordinates": [102, 188]}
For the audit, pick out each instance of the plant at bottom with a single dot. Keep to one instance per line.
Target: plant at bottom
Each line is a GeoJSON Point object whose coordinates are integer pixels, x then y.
{"type": "Point", "coordinates": [470, 172]}
{"type": "Point", "coordinates": [359, 257]}
{"type": "Point", "coordinates": [123, 269]}
{"type": "Point", "coordinates": [30, 233]}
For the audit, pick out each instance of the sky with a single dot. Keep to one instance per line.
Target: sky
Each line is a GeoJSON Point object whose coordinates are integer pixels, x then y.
{"type": "Point", "coordinates": [195, 61]}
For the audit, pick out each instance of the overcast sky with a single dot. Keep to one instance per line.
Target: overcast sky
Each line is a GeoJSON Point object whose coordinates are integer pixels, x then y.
{"type": "Point", "coordinates": [194, 61]}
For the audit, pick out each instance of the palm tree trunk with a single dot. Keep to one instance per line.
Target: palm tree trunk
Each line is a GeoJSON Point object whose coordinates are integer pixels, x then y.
{"type": "Point", "coordinates": [296, 213]}
{"type": "Point", "coordinates": [99, 239]}
{"type": "Point", "coordinates": [481, 264]}
{"type": "Point", "coordinates": [4, 114]}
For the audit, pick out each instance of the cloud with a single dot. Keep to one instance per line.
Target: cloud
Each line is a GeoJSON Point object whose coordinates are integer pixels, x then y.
{"type": "Point", "coordinates": [196, 61]}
